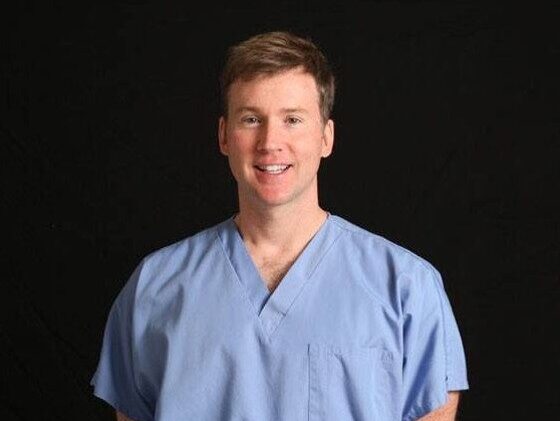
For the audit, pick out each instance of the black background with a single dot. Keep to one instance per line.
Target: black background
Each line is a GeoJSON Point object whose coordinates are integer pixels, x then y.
{"type": "Point", "coordinates": [447, 142]}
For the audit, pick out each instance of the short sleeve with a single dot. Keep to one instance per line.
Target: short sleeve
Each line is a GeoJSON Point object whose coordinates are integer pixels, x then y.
{"type": "Point", "coordinates": [434, 359]}
{"type": "Point", "coordinates": [115, 380]}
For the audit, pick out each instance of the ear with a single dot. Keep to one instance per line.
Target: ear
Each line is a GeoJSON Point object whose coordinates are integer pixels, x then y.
{"type": "Point", "coordinates": [328, 139]}
{"type": "Point", "coordinates": [222, 137]}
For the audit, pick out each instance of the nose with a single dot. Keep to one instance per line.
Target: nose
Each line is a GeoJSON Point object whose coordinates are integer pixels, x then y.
{"type": "Point", "coordinates": [270, 137]}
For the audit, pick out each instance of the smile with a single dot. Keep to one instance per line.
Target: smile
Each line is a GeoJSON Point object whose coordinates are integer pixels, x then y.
{"type": "Point", "coordinates": [273, 169]}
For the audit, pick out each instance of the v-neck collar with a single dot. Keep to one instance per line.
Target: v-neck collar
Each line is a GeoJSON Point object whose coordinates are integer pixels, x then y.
{"type": "Point", "coordinates": [269, 307]}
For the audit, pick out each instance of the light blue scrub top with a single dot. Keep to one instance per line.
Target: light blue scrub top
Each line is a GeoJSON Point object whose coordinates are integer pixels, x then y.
{"type": "Point", "coordinates": [359, 329]}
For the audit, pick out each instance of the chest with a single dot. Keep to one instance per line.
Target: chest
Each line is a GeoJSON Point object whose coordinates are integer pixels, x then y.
{"type": "Point", "coordinates": [313, 345]}
{"type": "Point", "coordinates": [273, 270]}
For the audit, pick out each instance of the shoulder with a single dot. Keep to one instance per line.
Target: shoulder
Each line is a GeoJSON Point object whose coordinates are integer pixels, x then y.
{"type": "Point", "coordinates": [176, 255]}
{"type": "Point", "coordinates": [379, 248]}
{"type": "Point", "coordinates": [393, 272]}
{"type": "Point", "coordinates": [170, 267]}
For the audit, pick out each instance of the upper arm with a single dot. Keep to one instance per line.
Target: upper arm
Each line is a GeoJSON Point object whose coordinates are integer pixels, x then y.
{"type": "Point", "coordinates": [447, 412]}
{"type": "Point", "coordinates": [434, 362]}
{"type": "Point", "coordinates": [122, 417]}
{"type": "Point", "coordinates": [116, 379]}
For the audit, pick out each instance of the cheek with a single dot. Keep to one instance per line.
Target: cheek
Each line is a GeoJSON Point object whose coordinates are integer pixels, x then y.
{"type": "Point", "coordinates": [234, 147]}
{"type": "Point", "coordinates": [240, 154]}
{"type": "Point", "coordinates": [313, 149]}
{"type": "Point", "coordinates": [241, 143]}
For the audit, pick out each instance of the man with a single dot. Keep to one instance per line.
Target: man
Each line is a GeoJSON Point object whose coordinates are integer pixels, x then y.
{"type": "Point", "coordinates": [284, 311]}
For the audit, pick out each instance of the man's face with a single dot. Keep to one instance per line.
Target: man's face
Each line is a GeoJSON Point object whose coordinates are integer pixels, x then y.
{"type": "Point", "coordinates": [274, 138]}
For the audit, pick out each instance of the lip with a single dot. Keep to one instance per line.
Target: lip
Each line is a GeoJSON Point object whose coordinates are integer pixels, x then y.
{"type": "Point", "coordinates": [260, 167]}
{"type": "Point", "coordinates": [272, 169]}
{"type": "Point", "coordinates": [264, 164]}
{"type": "Point", "coordinates": [266, 177]}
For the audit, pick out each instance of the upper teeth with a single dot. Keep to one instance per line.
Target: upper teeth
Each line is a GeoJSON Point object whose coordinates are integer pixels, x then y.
{"type": "Point", "coordinates": [273, 168]}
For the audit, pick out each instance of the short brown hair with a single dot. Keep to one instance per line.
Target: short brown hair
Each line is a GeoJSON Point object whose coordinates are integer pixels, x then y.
{"type": "Point", "coordinates": [275, 52]}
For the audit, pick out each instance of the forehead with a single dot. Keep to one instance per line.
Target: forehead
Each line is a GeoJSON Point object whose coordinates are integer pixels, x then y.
{"type": "Point", "coordinates": [293, 88]}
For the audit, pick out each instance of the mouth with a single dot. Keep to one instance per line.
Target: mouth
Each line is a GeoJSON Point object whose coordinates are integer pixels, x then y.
{"type": "Point", "coordinates": [273, 169]}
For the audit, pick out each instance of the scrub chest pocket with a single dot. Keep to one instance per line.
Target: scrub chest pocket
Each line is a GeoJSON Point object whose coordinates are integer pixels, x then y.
{"type": "Point", "coordinates": [352, 383]}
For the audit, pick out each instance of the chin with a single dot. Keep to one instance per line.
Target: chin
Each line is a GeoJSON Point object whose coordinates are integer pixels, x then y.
{"type": "Point", "coordinates": [276, 199]}
{"type": "Point", "coordinates": [273, 201]}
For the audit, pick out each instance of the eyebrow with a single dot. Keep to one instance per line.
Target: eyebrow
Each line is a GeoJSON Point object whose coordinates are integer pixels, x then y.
{"type": "Point", "coordinates": [256, 110]}
{"type": "Point", "coordinates": [295, 110]}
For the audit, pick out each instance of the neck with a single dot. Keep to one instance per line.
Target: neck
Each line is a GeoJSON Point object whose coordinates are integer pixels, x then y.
{"type": "Point", "coordinates": [279, 228]}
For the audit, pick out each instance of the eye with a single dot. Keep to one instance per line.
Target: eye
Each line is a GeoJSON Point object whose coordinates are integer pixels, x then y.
{"type": "Point", "coordinates": [292, 121]}
{"type": "Point", "coordinates": [250, 120]}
